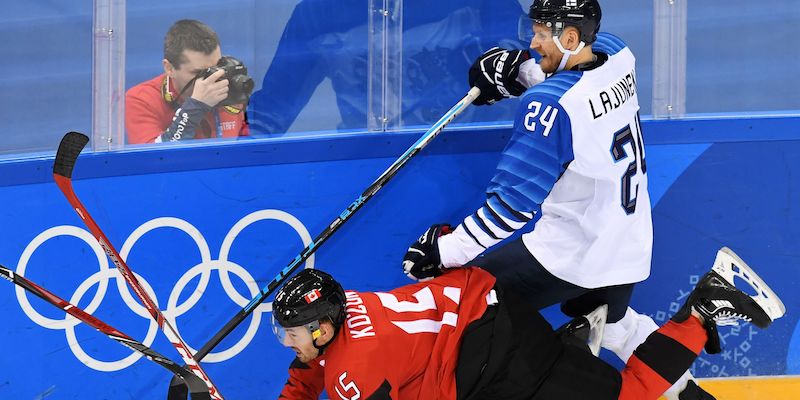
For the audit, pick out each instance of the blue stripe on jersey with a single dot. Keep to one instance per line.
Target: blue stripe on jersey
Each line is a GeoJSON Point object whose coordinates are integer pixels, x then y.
{"type": "Point", "coordinates": [504, 210]}
{"type": "Point", "coordinates": [608, 44]}
{"type": "Point", "coordinates": [471, 235]}
{"type": "Point", "coordinates": [556, 85]}
{"type": "Point", "coordinates": [482, 224]}
{"type": "Point", "coordinates": [532, 162]}
{"type": "Point", "coordinates": [495, 218]}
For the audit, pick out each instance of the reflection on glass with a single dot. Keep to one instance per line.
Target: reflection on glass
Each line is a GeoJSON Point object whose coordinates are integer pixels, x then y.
{"type": "Point", "coordinates": [325, 41]}
{"type": "Point", "coordinates": [46, 73]}
{"type": "Point", "coordinates": [200, 94]}
{"type": "Point", "coordinates": [729, 69]}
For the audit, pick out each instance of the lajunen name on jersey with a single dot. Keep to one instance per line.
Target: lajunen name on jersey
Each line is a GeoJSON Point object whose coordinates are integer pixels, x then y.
{"type": "Point", "coordinates": [358, 323]}
{"type": "Point", "coordinates": [613, 96]}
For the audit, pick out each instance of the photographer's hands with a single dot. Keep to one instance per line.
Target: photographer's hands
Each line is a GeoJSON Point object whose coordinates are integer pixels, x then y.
{"type": "Point", "coordinates": [206, 94]}
{"type": "Point", "coordinates": [212, 90]}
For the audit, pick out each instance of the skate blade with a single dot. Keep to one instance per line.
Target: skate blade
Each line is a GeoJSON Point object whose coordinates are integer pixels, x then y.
{"type": "Point", "coordinates": [597, 321]}
{"type": "Point", "coordinates": [728, 265]}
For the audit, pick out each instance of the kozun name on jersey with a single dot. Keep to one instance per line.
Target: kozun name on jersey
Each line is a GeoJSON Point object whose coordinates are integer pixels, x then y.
{"type": "Point", "coordinates": [358, 323]}
{"type": "Point", "coordinates": [613, 97]}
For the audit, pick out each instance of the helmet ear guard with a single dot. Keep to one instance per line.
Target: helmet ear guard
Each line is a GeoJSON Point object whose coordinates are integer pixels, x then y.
{"type": "Point", "coordinates": [313, 328]}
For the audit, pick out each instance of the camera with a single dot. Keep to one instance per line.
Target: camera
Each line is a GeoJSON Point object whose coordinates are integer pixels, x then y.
{"type": "Point", "coordinates": [240, 85]}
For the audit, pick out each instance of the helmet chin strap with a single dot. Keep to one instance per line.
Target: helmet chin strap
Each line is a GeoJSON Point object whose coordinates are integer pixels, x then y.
{"type": "Point", "coordinates": [321, 348]}
{"type": "Point", "coordinates": [566, 53]}
{"type": "Point", "coordinates": [316, 333]}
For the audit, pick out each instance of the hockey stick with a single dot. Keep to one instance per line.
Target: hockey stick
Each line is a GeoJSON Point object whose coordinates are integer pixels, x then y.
{"type": "Point", "coordinates": [68, 151]}
{"type": "Point", "coordinates": [175, 389]}
{"type": "Point", "coordinates": [197, 388]}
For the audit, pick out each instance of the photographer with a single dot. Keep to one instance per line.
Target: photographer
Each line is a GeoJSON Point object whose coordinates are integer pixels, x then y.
{"type": "Point", "coordinates": [200, 95]}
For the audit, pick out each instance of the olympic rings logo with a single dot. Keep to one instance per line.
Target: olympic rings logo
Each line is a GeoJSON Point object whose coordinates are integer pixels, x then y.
{"type": "Point", "coordinates": [173, 309]}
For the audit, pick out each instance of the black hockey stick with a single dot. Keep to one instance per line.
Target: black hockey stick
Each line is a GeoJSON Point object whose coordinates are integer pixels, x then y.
{"type": "Point", "coordinates": [176, 389]}
{"type": "Point", "coordinates": [197, 388]}
{"type": "Point", "coordinates": [71, 145]}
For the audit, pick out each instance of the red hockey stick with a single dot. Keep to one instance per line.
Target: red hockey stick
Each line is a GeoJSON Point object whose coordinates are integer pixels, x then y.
{"type": "Point", "coordinates": [197, 387]}
{"type": "Point", "coordinates": [68, 151]}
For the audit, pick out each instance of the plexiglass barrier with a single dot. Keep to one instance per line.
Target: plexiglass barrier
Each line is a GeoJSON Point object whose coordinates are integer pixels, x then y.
{"type": "Point", "coordinates": [344, 66]}
{"type": "Point", "coordinates": [46, 74]}
{"type": "Point", "coordinates": [741, 57]}
{"type": "Point", "coordinates": [157, 90]}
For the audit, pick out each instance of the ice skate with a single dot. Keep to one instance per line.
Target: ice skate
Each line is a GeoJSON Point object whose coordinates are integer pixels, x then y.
{"type": "Point", "coordinates": [717, 299]}
{"type": "Point", "coordinates": [586, 330]}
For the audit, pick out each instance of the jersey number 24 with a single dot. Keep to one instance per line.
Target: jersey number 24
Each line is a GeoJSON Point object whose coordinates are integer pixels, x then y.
{"type": "Point", "coordinates": [620, 139]}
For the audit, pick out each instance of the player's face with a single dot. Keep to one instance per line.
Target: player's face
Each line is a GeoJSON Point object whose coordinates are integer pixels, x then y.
{"type": "Point", "coordinates": [196, 62]}
{"type": "Point", "coordinates": [543, 44]}
{"type": "Point", "coordinates": [299, 339]}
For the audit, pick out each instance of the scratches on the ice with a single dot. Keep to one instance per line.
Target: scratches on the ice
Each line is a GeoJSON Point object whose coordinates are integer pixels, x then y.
{"type": "Point", "coordinates": [46, 393]}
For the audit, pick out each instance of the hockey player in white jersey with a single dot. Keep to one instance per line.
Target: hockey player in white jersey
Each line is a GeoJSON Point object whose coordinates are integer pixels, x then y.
{"type": "Point", "coordinates": [576, 162]}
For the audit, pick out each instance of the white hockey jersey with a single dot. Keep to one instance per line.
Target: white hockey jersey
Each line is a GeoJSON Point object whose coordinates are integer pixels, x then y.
{"type": "Point", "coordinates": [576, 156]}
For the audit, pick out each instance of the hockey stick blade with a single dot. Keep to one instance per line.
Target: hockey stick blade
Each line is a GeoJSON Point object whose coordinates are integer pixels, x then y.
{"type": "Point", "coordinates": [71, 145]}
{"type": "Point", "coordinates": [197, 388]}
{"type": "Point", "coordinates": [348, 212]}
{"type": "Point", "coordinates": [68, 152]}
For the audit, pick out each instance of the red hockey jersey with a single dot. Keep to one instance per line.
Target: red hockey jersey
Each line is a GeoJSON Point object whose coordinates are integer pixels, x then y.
{"type": "Point", "coordinates": [403, 343]}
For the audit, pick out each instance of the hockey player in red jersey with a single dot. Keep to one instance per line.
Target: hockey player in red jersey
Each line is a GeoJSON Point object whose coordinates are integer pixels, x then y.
{"type": "Point", "coordinates": [460, 336]}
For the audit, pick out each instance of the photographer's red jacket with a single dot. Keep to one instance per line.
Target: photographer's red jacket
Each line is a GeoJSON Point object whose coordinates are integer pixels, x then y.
{"type": "Point", "coordinates": [151, 118]}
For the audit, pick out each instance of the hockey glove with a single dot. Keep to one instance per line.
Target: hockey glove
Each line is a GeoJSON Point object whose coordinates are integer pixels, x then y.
{"type": "Point", "coordinates": [421, 261]}
{"type": "Point", "coordinates": [495, 74]}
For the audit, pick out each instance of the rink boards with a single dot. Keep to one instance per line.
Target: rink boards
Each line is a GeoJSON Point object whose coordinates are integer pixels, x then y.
{"type": "Point", "coordinates": [207, 226]}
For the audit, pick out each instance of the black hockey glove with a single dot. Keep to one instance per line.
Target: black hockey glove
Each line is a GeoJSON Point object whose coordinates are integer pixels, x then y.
{"type": "Point", "coordinates": [495, 74]}
{"type": "Point", "coordinates": [422, 261]}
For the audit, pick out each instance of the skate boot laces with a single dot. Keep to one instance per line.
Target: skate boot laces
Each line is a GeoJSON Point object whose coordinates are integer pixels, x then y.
{"type": "Point", "coordinates": [722, 312]}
